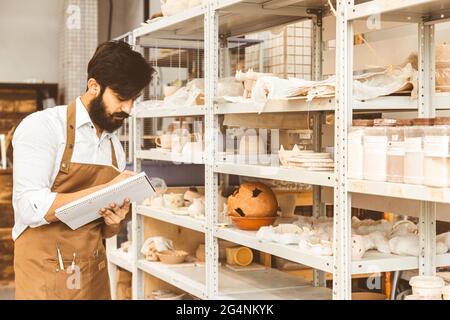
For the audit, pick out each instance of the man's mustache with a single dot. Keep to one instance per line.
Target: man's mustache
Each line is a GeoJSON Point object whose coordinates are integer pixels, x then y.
{"type": "Point", "coordinates": [122, 115]}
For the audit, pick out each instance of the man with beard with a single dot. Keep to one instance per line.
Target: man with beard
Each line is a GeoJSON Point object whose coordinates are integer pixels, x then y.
{"type": "Point", "coordinates": [60, 155]}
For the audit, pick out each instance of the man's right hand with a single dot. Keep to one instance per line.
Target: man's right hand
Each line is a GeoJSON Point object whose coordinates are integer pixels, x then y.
{"type": "Point", "coordinates": [122, 176]}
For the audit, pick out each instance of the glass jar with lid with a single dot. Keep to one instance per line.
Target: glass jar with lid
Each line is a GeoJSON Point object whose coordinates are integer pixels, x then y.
{"type": "Point", "coordinates": [375, 153]}
{"type": "Point", "coordinates": [436, 153]}
{"type": "Point", "coordinates": [356, 149]}
{"type": "Point", "coordinates": [396, 151]}
{"type": "Point", "coordinates": [414, 155]}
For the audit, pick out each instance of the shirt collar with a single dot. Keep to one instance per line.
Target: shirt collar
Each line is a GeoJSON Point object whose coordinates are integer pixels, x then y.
{"type": "Point", "coordinates": [83, 117]}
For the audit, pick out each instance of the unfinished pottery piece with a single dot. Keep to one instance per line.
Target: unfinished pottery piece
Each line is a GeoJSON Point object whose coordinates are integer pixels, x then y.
{"type": "Point", "coordinates": [172, 256]}
{"type": "Point", "coordinates": [197, 208]}
{"type": "Point", "coordinates": [167, 295]}
{"type": "Point", "coordinates": [378, 241]}
{"type": "Point", "coordinates": [241, 256]}
{"type": "Point", "coordinates": [172, 7]}
{"type": "Point", "coordinates": [173, 200]}
{"type": "Point", "coordinates": [287, 203]}
{"type": "Point", "coordinates": [403, 228]}
{"type": "Point", "coordinates": [407, 245]}
{"type": "Point", "coordinates": [191, 194]}
{"type": "Point", "coordinates": [364, 227]}
{"type": "Point", "coordinates": [358, 247]}
{"type": "Point", "coordinates": [252, 199]}
{"type": "Point", "coordinates": [427, 286]}
{"type": "Point", "coordinates": [157, 202]}
{"type": "Point", "coordinates": [170, 90]}
{"type": "Point", "coordinates": [444, 238]}
{"type": "Point", "coordinates": [283, 154]}
{"type": "Point", "coordinates": [200, 253]}
{"type": "Point", "coordinates": [446, 293]}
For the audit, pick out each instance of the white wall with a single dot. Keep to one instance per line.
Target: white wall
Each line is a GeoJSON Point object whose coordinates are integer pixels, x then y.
{"type": "Point", "coordinates": [29, 39]}
{"type": "Point", "coordinates": [127, 15]}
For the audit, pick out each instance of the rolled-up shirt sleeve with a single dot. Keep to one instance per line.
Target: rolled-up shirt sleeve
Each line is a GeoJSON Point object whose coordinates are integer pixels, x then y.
{"type": "Point", "coordinates": [35, 148]}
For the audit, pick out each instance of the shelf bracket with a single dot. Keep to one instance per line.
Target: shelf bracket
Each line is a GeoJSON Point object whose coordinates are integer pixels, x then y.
{"type": "Point", "coordinates": [319, 15]}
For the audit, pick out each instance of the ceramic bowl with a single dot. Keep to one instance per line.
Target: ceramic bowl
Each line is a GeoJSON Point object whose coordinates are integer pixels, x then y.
{"type": "Point", "coordinates": [252, 223]}
{"type": "Point", "coordinates": [172, 257]}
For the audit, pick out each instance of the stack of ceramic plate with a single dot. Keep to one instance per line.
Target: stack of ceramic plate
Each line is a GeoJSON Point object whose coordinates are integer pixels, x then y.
{"type": "Point", "coordinates": [313, 161]}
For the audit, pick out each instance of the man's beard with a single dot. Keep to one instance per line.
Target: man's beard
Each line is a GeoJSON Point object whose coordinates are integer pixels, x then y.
{"type": "Point", "coordinates": [108, 122]}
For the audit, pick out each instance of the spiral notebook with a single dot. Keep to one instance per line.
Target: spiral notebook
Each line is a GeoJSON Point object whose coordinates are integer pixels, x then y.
{"type": "Point", "coordinates": [85, 210]}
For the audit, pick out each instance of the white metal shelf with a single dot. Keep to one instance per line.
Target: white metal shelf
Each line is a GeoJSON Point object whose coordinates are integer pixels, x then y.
{"type": "Point", "coordinates": [174, 276]}
{"type": "Point", "coordinates": [295, 104]}
{"type": "Point", "coordinates": [163, 155]}
{"type": "Point", "coordinates": [372, 262]}
{"type": "Point", "coordinates": [400, 190]}
{"type": "Point", "coordinates": [179, 26]}
{"type": "Point", "coordinates": [277, 173]}
{"type": "Point", "coordinates": [251, 284]}
{"type": "Point", "coordinates": [289, 252]}
{"type": "Point", "coordinates": [169, 217]}
{"type": "Point", "coordinates": [428, 9]}
{"type": "Point", "coordinates": [121, 258]}
{"type": "Point", "coordinates": [237, 17]}
{"type": "Point", "coordinates": [299, 104]}
{"type": "Point", "coordinates": [169, 111]}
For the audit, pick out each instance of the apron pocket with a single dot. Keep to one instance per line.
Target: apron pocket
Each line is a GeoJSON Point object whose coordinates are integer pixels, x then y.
{"type": "Point", "coordinates": [66, 284]}
{"type": "Point", "coordinates": [99, 286]}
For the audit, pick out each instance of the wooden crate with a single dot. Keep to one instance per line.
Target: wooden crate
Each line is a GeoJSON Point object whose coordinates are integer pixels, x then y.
{"type": "Point", "coordinates": [6, 255]}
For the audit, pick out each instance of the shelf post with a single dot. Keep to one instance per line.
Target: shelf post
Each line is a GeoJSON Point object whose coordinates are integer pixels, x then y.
{"type": "Point", "coordinates": [426, 101]}
{"type": "Point", "coordinates": [317, 46]}
{"type": "Point", "coordinates": [137, 240]}
{"type": "Point", "coordinates": [211, 29]}
{"type": "Point", "coordinates": [343, 115]}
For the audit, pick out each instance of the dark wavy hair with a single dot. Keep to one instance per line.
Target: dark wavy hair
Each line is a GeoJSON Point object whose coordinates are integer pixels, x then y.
{"type": "Point", "coordinates": [117, 66]}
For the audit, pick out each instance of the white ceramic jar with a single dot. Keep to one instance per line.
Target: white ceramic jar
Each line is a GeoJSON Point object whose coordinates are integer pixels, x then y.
{"type": "Point", "coordinates": [436, 153]}
{"type": "Point", "coordinates": [375, 154]}
{"type": "Point", "coordinates": [356, 148]}
{"type": "Point", "coordinates": [414, 156]}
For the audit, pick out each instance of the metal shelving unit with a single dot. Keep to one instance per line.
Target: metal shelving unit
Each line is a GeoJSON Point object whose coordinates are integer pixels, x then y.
{"type": "Point", "coordinates": [164, 155]}
{"type": "Point", "coordinates": [236, 17]}
{"type": "Point", "coordinates": [169, 217]}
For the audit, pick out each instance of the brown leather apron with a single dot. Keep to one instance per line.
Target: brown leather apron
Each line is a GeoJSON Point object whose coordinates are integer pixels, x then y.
{"type": "Point", "coordinates": [37, 271]}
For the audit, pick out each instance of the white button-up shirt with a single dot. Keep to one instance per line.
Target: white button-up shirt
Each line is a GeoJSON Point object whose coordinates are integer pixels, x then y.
{"type": "Point", "coordinates": [39, 142]}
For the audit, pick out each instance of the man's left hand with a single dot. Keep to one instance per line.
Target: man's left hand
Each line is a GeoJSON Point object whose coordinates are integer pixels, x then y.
{"type": "Point", "coordinates": [115, 214]}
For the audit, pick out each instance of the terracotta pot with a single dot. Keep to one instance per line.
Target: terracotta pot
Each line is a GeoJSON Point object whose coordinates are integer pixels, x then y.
{"type": "Point", "coordinates": [253, 199]}
{"type": "Point", "coordinates": [252, 223]}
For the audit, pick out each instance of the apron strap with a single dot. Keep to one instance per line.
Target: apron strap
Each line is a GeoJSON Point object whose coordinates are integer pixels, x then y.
{"type": "Point", "coordinates": [70, 140]}
{"type": "Point", "coordinates": [113, 154]}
